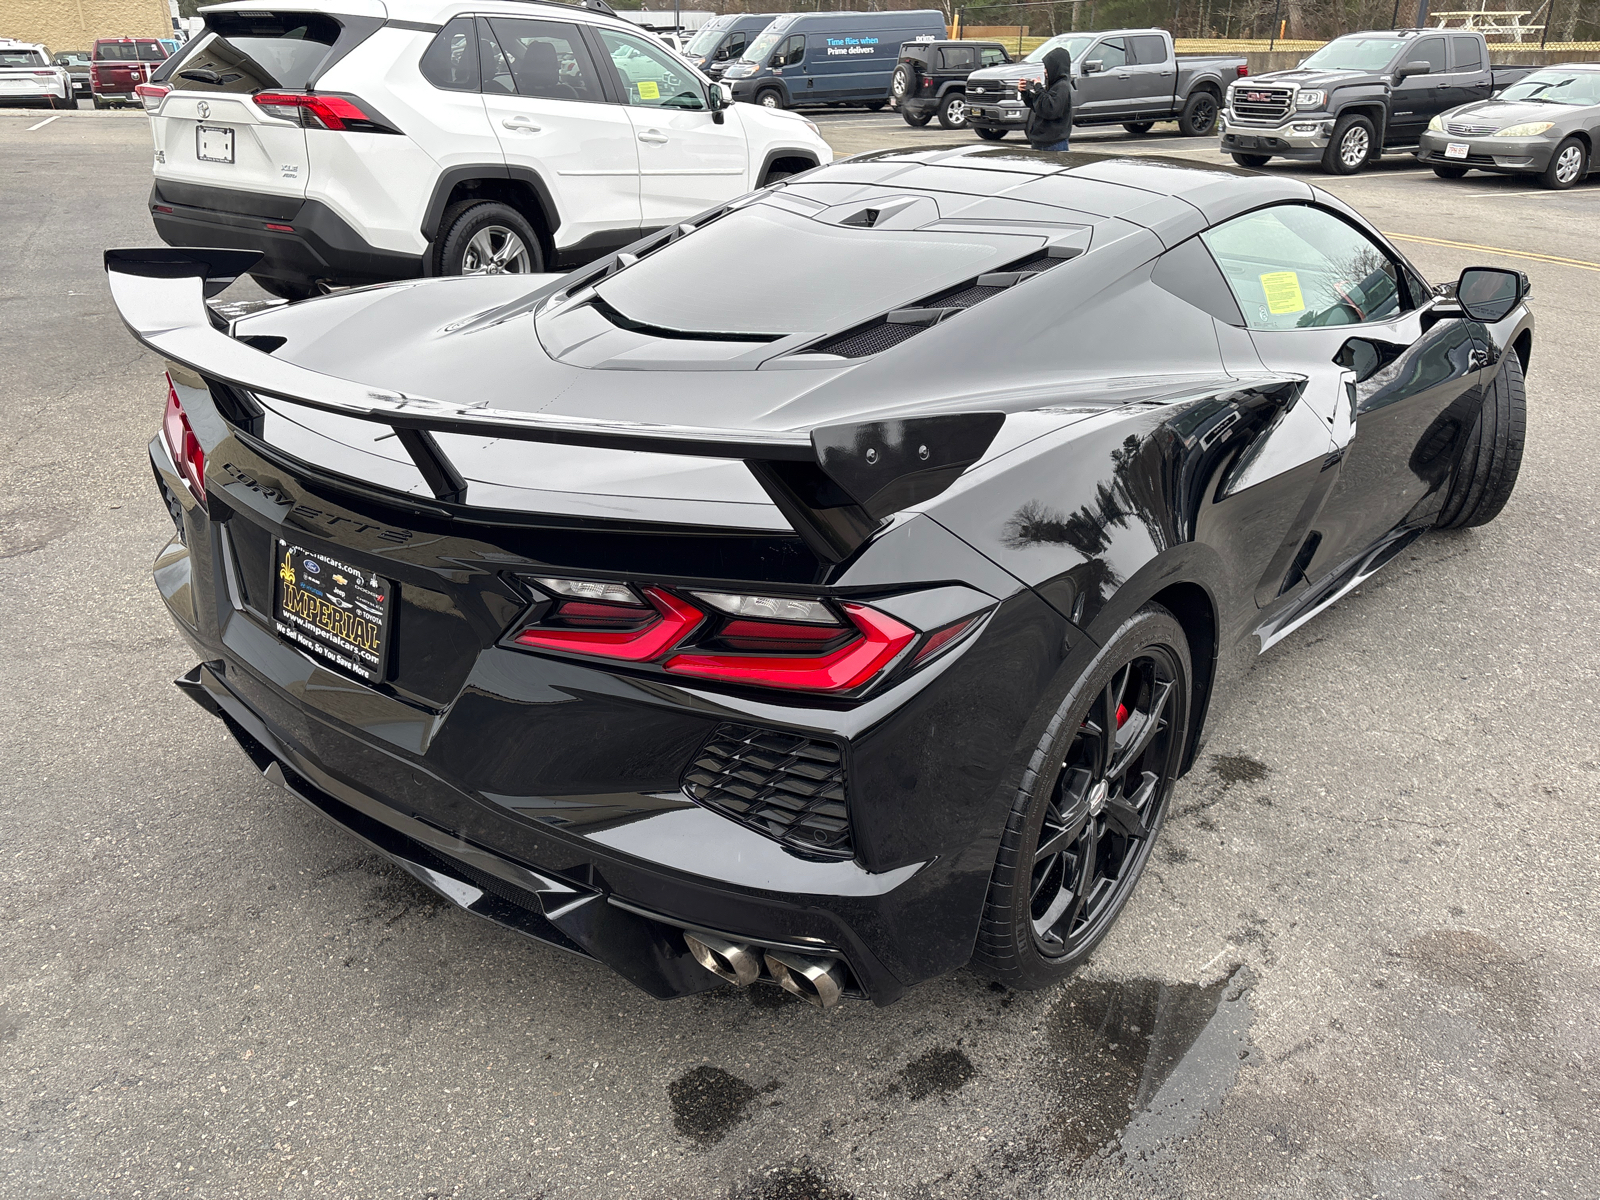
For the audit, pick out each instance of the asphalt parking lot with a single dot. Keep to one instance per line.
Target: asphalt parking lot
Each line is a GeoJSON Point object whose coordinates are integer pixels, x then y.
{"type": "Point", "coordinates": [1362, 964]}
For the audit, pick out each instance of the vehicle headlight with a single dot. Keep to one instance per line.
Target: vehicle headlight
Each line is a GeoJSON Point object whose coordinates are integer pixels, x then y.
{"type": "Point", "coordinates": [1533, 129]}
{"type": "Point", "coordinates": [1436, 125]}
{"type": "Point", "coordinates": [812, 125]}
{"type": "Point", "coordinates": [1310, 99]}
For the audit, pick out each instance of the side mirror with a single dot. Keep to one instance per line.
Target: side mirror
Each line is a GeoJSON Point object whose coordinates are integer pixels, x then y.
{"type": "Point", "coordinates": [1093, 67]}
{"type": "Point", "coordinates": [1413, 68]}
{"type": "Point", "coordinates": [1363, 357]}
{"type": "Point", "coordinates": [1489, 293]}
{"type": "Point", "coordinates": [721, 55]}
{"type": "Point", "coordinates": [716, 102]}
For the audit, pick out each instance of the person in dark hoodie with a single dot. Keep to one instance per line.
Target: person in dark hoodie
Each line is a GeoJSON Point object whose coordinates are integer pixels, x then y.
{"type": "Point", "coordinates": [1049, 123]}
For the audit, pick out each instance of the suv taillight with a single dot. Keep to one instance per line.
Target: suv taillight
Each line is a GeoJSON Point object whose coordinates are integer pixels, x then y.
{"type": "Point", "coordinates": [184, 447]}
{"type": "Point", "coordinates": [317, 110]}
{"type": "Point", "coordinates": [781, 642]}
{"type": "Point", "coordinates": [151, 94]}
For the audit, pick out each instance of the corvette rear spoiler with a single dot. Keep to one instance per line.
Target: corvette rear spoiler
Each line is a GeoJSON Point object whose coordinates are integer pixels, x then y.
{"type": "Point", "coordinates": [835, 484]}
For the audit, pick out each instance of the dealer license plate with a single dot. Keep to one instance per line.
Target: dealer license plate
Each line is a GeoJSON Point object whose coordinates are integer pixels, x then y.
{"type": "Point", "coordinates": [336, 611]}
{"type": "Point", "coordinates": [213, 143]}
{"type": "Point", "coordinates": [1456, 150]}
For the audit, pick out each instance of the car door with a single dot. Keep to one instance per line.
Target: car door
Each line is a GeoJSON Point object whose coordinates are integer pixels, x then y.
{"type": "Point", "coordinates": [1153, 72]}
{"type": "Point", "coordinates": [1105, 90]}
{"type": "Point", "coordinates": [1307, 282]}
{"type": "Point", "coordinates": [458, 132]}
{"type": "Point", "coordinates": [1417, 99]}
{"type": "Point", "coordinates": [688, 161]}
{"type": "Point", "coordinates": [1469, 72]}
{"type": "Point", "coordinates": [544, 96]}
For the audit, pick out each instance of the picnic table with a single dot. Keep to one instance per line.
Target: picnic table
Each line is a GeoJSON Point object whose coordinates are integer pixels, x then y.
{"type": "Point", "coordinates": [1492, 21]}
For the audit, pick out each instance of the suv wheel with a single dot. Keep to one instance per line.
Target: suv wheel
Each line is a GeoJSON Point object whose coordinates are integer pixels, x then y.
{"type": "Point", "coordinates": [904, 82]}
{"type": "Point", "coordinates": [1199, 116]}
{"type": "Point", "coordinates": [1351, 145]}
{"type": "Point", "coordinates": [484, 237]}
{"type": "Point", "coordinates": [769, 98]}
{"type": "Point", "coordinates": [953, 111]}
{"type": "Point", "coordinates": [918, 121]}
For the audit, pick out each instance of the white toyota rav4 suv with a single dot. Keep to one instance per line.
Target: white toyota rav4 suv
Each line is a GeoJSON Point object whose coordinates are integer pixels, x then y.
{"type": "Point", "coordinates": [353, 141]}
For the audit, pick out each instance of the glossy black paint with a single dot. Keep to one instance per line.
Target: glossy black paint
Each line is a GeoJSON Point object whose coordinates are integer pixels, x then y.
{"type": "Point", "coordinates": [1238, 478]}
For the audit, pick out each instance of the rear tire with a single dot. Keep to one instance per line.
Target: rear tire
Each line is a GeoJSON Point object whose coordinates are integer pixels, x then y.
{"type": "Point", "coordinates": [1568, 165]}
{"type": "Point", "coordinates": [284, 289]}
{"type": "Point", "coordinates": [1351, 146]}
{"type": "Point", "coordinates": [953, 111]}
{"type": "Point", "coordinates": [1045, 913]}
{"type": "Point", "coordinates": [485, 237]}
{"type": "Point", "coordinates": [904, 83]}
{"type": "Point", "coordinates": [1252, 160]}
{"type": "Point", "coordinates": [769, 98]}
{"type": "Point", "coordinates": [1199, 116]}
{"type": "Point", "coordinates": [916, 122]}
{"type": "Point", "coordinates": [1489, 465]}
{"type": "Point", "coordinates": [991, 135]}
{"type": "Point", "coordinates": [1138, 127]}
{"type": "Point", "coordinates": [1450, 172]}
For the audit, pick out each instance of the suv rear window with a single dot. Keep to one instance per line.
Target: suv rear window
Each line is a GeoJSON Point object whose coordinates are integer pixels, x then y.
{"type": "Point", "coordinates": [245, 52]}
{"type": "Point", "coordinates": [141, 51]}
{"type": "Point", "coordinates": [21, 58]}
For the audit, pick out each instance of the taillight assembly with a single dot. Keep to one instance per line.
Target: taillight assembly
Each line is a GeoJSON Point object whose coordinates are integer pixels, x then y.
{"type": "Point", "coordinates": [184, 447]}
{"type": "Point", "coordinates": [151, 94]}
{"type": "Point", "coordinates": [320, 110]}
{"type": "Point", "coordinates": [785, 642]}
{"type": "Point", "coordinates": [1242, 70]}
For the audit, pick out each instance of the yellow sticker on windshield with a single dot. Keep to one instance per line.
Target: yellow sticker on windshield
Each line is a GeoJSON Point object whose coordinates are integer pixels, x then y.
{"type": "Point", "coordinates": [1282, 289]}
{"type": "Point", "coordinates": [648, 90]}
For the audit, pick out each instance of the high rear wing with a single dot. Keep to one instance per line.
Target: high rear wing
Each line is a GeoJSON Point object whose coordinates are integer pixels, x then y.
{"type": "Point", "coordinates": [835, 484]}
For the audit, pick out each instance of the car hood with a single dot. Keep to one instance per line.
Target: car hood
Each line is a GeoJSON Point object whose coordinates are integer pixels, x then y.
{"type": "Point", "coordinates": [1501, 113]}
{"type": "Point", "coordinates": [1009, 73]}
{"type": "Point", "coordinates": [1301, 77]}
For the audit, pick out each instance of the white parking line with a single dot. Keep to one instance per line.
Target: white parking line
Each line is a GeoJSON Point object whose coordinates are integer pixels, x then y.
{"type": "Point", "coordinates": [44, 122]}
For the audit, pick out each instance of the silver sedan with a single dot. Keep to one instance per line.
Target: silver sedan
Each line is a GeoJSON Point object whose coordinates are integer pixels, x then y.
{"type": "Point", "coordinates": [1543, 125]}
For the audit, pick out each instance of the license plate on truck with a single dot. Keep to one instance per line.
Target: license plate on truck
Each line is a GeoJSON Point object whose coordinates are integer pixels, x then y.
{"type": "Point", "coordinates": [1456, 150]}
{"type": "Point", "coordinates": [213, 143]}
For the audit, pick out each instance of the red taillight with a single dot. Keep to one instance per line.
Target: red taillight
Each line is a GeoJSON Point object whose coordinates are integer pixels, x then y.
{"type": "Point", "coordinates": [881, 640]}
{"type": "Point", "coordinates": [317, 111]}
{"type": "Point", "coordinates": [278, 228]}
{"type": "Point", "coordinates": [184, 447]}
{"type": "Point", "coordinates": [151, 94]}
{"type": "Point", "coordinates": [1242, 70]}
{"type": "Point", "coordinates": [630, 632]}
{"type": "Point", "coordinates": [940, 638]}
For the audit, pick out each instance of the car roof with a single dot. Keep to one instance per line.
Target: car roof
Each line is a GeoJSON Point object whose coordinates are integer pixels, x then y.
{"type": "Point", "coordinates": [433, 11]}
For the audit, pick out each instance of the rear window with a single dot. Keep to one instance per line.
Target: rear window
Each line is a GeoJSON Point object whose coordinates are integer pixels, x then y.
{"type": "Point", "coordinates": [958, 57]}
{"type": "Point", "coordinates": [245, 52]}
{"type": "Point", "coordinates": [21, 58]}
{"type": "Point", "coordinates": [139, 51]}
{"type": "Point", "coordinates": [1148, 49]}
{"type": "Point", "coordinates": [819, 276]}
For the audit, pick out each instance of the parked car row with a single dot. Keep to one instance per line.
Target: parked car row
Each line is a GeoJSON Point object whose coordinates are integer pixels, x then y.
{"type": "Point", "coordinates": [110, 73]}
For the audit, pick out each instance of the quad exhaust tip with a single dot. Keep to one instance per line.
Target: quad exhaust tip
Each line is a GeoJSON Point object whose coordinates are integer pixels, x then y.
{"type": "Point", "coordinates": [735, 963]}
{"type": "Point", "coordinates": [817, 981]}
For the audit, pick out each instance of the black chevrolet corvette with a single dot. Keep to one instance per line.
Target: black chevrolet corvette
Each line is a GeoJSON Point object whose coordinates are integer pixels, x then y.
{"type": "Point", "coordinates": [827, 591]}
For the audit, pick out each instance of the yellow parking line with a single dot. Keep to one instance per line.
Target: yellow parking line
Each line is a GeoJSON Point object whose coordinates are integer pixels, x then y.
{"type": "Point", "coordinates": [1500, 250]}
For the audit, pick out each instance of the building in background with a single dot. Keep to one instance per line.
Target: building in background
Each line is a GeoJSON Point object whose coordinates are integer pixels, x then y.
{"type": "Point", "coordinates": [75, 24]}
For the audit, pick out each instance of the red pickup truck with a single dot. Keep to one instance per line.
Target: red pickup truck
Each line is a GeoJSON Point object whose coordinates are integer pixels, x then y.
{"type": "Point", "coordinates": [119, 65]}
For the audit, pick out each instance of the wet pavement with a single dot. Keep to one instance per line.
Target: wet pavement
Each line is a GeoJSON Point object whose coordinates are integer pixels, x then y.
{"type": "Point", "coordinates": [1362, 962]}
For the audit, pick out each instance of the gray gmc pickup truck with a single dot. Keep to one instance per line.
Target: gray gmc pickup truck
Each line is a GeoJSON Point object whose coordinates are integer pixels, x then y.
{"type": "Point", "coordinates": [1127, 77]}
{"type": "Point", "coordinates": [1360, 96]}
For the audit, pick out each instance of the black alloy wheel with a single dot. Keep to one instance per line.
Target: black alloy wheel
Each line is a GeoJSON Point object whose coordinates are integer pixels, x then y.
{"type": "Point", "coordinates": [1252, 160]}
{"type": "Point", "coordinates": [991, 135]}
{"type": "Point", "coordinates": [1092, 802]}
{"type": "Point", "coordinates": [1199, 116]}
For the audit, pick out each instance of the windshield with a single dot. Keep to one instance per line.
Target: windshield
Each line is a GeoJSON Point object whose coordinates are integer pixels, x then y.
{"type": "Point", "coordinates": [76, 58]}
{"type": "Point", "coordinates": [704, 42]}
{"type": "Point", "coordinates": [832, 275]}
{"type": "Point", "coordinates": [1355, 54]}
{"type": "Point", "coordinates": [1559, 87]}
{"type": "Point", "coordinates": [1073, 45]}
{"type": "Point", "coordinates": [21, 58]}
{"type": "Point", "coordinates": [761, 47]}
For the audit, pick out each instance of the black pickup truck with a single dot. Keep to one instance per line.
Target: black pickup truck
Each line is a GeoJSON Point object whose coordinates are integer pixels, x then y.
{"type": "Point", "coordinates": [1359, 97]}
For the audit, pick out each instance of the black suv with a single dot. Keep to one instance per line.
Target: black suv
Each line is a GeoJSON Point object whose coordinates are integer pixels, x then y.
{"type": "Point", "coordinates": [931, 79]}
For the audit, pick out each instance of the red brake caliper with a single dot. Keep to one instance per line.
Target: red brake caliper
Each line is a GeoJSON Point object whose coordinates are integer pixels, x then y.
{"type": "Point", "coordinates": [1122, 714]}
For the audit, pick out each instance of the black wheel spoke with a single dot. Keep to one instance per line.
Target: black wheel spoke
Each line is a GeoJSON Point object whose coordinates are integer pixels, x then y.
{"type": "Point", "coordinates": [1053, 844]}
{"type": "Point", "coordinates": [1153, 723]}
{"type": "Point", "coordinates": [1124, 818]}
